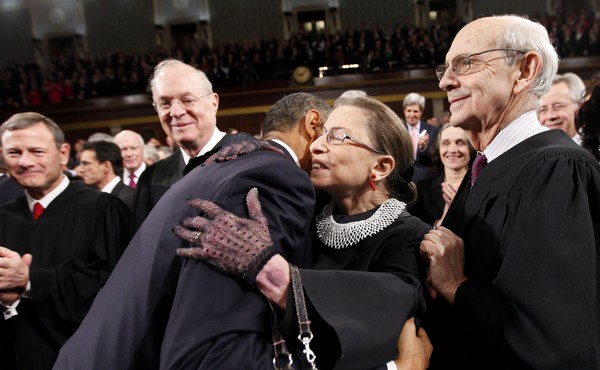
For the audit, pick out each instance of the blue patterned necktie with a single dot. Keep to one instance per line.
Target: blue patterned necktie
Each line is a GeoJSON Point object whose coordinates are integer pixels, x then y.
{"type": "Point", "coordinates": [478, 164]}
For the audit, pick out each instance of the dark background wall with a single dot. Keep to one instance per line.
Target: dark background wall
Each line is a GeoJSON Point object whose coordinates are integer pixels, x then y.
{"type": "Point", "coordinates": [15, 36]}
{"type": "Point", "coordinates": [245, 20]}
{"type": "Point", "coordinates": [354, 13]}
{"type": "Point", "coordinates": [118, 25]}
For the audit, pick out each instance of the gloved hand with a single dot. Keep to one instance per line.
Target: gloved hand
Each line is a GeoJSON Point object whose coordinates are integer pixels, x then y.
{"type": "Point", "coordinates": [238, 145]}
{"type": "Point", "coordinates": [232, 244]}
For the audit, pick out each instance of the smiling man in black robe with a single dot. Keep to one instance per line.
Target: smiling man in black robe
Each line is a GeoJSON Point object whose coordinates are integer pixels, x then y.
{"type": "Point", "coordinates": [517, 257]}
{"type": "Point", "coordinates": [58, 245]}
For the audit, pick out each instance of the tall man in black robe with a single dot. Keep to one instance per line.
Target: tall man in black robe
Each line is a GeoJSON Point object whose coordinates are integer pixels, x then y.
{"type": "Point", "coordinates": [215, 322]}
{"type": "Point", "coordinates": [58, 244]}
{"type": "Point", "coordinates": [516, 261]}
{"type": "Point", "coordinates": [187, 110]}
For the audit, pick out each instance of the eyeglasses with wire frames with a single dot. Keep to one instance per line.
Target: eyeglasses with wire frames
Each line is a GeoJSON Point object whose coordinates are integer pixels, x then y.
{"type": "Point", "coordinates": [462, 62]}
{"type": "Point", "coordinates": [337, 136]}
{"type": "Point", "coordinates": [165, 105]}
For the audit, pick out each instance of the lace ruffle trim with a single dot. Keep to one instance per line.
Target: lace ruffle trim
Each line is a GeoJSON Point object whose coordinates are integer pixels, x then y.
{"type": "Point", "coordinates": [339, 236]}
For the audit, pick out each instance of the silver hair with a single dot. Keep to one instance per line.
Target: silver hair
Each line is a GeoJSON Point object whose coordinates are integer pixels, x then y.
{"type": "Point", "coordinates": [101, 136]}
{"type": "Point", "coordinates": [414, 98]}
{"type": "Point", "coordinates": [138, 136]}
{"type": "Point", "coordinates": [524, 34]}
{"type": "Point", "coordinates": [151, 152]}
{"type": "Point", "coordinates": [351, 94]}
{"type": "Point", "coordinates": [205, 82]}
{"type": "Point", "coordinates": [575, 84]}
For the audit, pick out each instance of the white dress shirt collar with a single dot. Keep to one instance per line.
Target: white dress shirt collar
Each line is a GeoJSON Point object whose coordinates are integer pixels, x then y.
{"type": "Point", "coordinates": [289, 150]}
{"type": "Point", "coordinates": [48, 198]}
{"type": "Point", "coordinates": [214, 140]}
{"type": "Point", "coordinates": [517, 131]}
{"type": "Point", "coordinates": [137, 173]}
{"type": "Point", "coordinates": [111, 185]}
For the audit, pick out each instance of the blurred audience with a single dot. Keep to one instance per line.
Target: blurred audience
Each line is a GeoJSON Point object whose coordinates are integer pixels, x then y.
{"type": "Point", "coordinates": [150, 154]}
{"type": "Point", "coordinates": [249, 61]}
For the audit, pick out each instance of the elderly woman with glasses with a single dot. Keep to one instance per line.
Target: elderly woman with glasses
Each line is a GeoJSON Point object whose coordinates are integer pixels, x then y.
{"type": "Point", "coordinates": [364, 282]}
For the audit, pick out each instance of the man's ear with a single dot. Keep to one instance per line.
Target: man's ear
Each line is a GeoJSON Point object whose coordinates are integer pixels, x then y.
{"type": "Point", "coordinates": [529, 69]}
{"type": "Point", "coordinates": [107, 167]}
{"type": "Point", "coordinates": [312, 123]}
{"type": "Point", "coordinates": [64, 151]}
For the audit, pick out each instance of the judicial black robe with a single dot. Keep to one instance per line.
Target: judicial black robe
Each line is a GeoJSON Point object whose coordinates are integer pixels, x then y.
{"type": "Point", "coordinates": [531, 227]}
{"type": "Point", "coordinates": [155, 181]}
{"type": "Point", "coordinates": [429, 206]}
{"type": "Point", "coordinates": [125, 193]}
{"type": "Point", "coordinates": [359, 297]}
{"type": "Point", "coordinates": [75, 244]}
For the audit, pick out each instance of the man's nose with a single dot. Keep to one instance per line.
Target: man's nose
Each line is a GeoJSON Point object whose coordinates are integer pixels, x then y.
{"type": "Point", "coordinates": [177, 108]}
{"type": "Point", "coordinates": [25, 159]}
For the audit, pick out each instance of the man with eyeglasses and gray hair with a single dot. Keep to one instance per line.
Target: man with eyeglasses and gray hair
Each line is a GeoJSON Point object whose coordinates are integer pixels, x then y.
{"type": "Point", "coordinates": [187, 108]}
{"type": "Point", "coordinates": [559, 106]}
{"type": "Point", "coordinates": [514, 271]}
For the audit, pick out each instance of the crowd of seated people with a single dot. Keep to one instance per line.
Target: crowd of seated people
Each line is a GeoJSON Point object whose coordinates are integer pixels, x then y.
{"type": "Point", "coordinates": [246, 62]}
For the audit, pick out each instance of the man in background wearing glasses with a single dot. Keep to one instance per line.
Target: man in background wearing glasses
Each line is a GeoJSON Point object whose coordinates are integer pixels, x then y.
{"type": "Point", "coordinates": [560, 104]}
{"type": "Point", "coordinates": [514, 268]}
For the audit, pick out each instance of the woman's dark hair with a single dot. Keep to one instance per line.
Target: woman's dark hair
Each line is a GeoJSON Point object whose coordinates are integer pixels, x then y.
{"type": "Point", "coordinates": [587, 119]}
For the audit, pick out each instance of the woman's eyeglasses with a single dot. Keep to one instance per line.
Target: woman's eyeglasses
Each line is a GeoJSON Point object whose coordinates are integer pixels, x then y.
{"type": "Point", "coordinates": [337, 136]}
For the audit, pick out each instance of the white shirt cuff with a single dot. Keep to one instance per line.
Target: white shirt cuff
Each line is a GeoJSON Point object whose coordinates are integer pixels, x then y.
{"type": "Point", "coordinates": [391, 366]}
{"type": "Point", "coordinates": [10, 311]}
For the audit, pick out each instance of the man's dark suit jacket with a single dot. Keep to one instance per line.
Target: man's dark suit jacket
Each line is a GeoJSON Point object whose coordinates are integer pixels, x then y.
{"type": "Point", "coordinates": [423, 162]}
{"type": "Point", "coordinates": [9, 190]}
{"type": "Point", "coordinates": [216, 321]}
{"type": "Point", "coordinates": [125, 193]}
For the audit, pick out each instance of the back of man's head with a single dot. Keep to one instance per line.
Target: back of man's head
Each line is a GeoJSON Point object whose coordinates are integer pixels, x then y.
{"type": "Point", "coordinates": [285, 114]}
{"type": "Point", "coordinates": [107, 151]}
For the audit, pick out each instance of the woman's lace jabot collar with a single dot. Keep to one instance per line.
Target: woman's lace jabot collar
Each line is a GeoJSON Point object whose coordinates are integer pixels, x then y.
{"type": "Point", "coordinates": [342, 235]}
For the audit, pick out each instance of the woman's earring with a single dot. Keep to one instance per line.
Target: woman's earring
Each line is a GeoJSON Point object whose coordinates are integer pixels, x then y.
{"type": "Point", "coordinates": [371, 183]}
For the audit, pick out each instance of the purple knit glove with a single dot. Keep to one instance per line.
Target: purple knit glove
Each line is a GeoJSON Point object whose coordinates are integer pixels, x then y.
{"type": "Point", "coordinates": [238, 145]}
{"type": "Point", "coordinates": [232, 244]}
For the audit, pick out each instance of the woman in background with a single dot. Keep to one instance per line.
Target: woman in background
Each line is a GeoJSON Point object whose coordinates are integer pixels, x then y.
{"type": "Point", "coordinates": [452, 159]}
